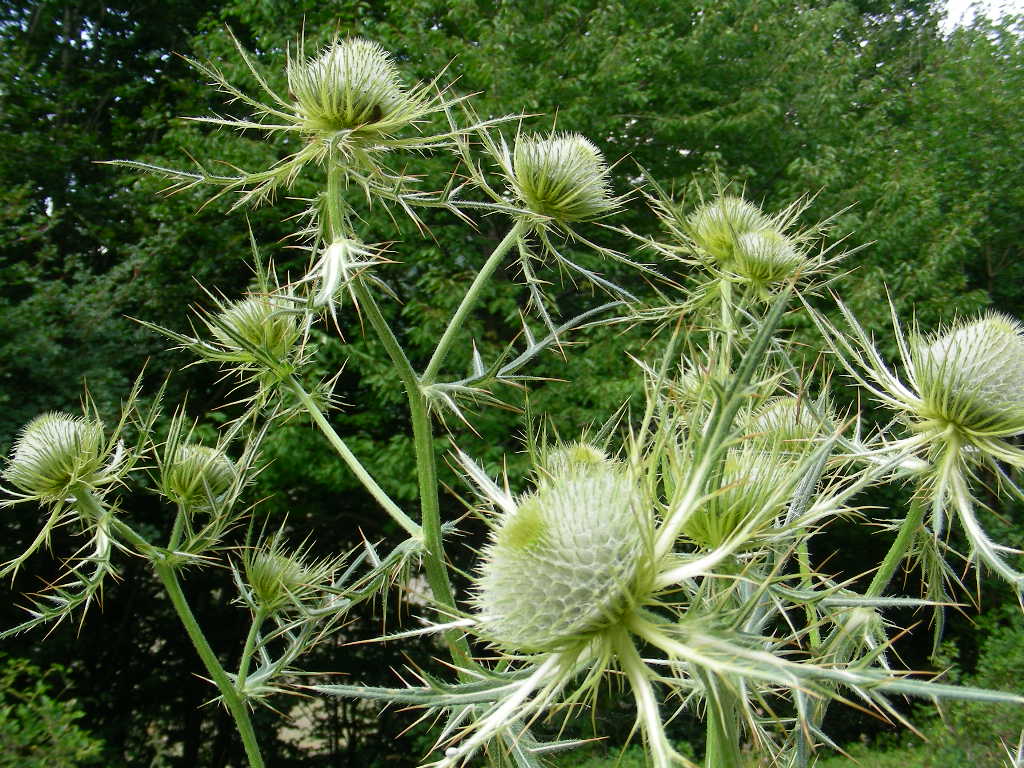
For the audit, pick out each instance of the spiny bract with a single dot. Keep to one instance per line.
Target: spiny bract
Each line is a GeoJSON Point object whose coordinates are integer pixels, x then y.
{"type": "Point", "coordinates": [972, 376]}
{"type": "Point", "coordinates": [54, 452]}
{"type": "Point", "coordinates": [567, 562]}
{"type": "Point", "coordinates": [562, 177]}
{"type": "Point", "coordinates": [351, 84]}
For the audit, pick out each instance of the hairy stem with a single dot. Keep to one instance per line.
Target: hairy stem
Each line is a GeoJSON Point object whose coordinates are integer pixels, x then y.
{"type": "Point", "coordinates": [236, 706]}
{"type": "Point", "coordinates": [371, 485]}
{"type": "Point", "coordinates": [898, 550]}
{"type": "Point", "coordinates": [426, 467]}
{"type": "Point", "coordinates": [469, 301]}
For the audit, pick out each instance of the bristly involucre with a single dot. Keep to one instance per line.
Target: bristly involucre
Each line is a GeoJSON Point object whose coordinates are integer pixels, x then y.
{"type": "Point", "coordinates": [350, 85]}
{"type": "Point", "coordinates": [55, 452]}
{"type": "Point", "coordinates": [562, 177]}
{"type": "Point", "coordinates": [566, 563]}
{"type": "Point", "coordinates": [972, 376]}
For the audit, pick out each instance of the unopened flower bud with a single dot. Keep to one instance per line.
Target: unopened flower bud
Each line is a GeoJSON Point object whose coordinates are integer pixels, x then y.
{"type": "Point", "coordinates": [277, 579]}
{"type": "Point", "coordinates": [350, 85]}
{"type": "Point", "coordinates": [54, 453]}
{"type": "Point", "coordinates": [765, 257]}
{"type": "Point", "coordinates": [716, 227]}
{"type": "Point", "coordinates": [196, 476]}
{"type": "Point", "coordinates": [972, 376]}
{"type": "Point", "coordinates": [566, 458]}
{"type": "Point", "coordinates": [562, 177]}
{"type": "Point", "coordinates": [566, 563]}
{"type": "Point", "coordinates": [788, 424]}
{"type": "Point", "coordinates": [258, 322]}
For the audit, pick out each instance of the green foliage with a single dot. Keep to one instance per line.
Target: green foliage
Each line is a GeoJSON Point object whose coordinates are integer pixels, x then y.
{"type": "Point", "coordinates": [38, 727]}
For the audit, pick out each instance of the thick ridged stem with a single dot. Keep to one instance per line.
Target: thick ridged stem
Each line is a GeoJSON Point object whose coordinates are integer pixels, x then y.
{"type": "Point", "coordinates": [898, 550]}
{"type": "Point", "coordinates": [236, 706]}
{"type": "Point", "coordinates": [91, 506]}
{"type": "Point", "coordinates": [423, 441]}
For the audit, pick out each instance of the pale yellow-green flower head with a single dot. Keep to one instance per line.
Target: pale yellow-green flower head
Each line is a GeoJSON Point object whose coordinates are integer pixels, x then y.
{"type": "Point", "coordinates": [55, 453]}
{"type": "Point", "coordinates": [196, 476]}
{"type": "Point", "coordinates": [971, 376]}
{"type": "Point", "coordinates": [567, 562]}
{"type": "Point", "coordinates": [754, 491]}
{"type": "Point", "coordinates": [765, 257]}
{"type": "Point", "coordinates": [258, 323]}
{"type": "Point", "coordinates": [351, 85]}
{"type": "Point", "coordinates": [562, 177]}
{"type": "Point", "coordinates": [716, 227]}
{"type": "Point", "coordinates": [789, 424]}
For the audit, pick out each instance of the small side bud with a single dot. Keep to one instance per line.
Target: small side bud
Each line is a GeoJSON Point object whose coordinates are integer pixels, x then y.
{"type": "Point", "coordinates": [766, 257]}
{"type": "Point", "coordinates": [567, 458]}
{"type": "Point", "coordinates": [716, 227]}
{"type": "Point", "coordinates": [196, 476]}
{"type": "Point", "coordinates": [56, 452]}
{"type": "Point", "coordinates": [258, 323]}
{"type": "Point", "coordinates": [561, 177]}
{"type": "Point", "coordinates": [280, 579]}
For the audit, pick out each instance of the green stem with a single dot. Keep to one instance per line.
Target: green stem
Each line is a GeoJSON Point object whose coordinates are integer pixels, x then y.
{"type": "Point", "coordinates": [723, 733]}
{"type": "Point", "coordinates": [898, 550]}
{"type": "Point", "coordinates": [469, 301]}
{"type": "Point", "coordinates": [378, 493]}
{"type": "Point", "coordinates": [804, 560]}
{"type": "Point", "coordinates": [236, 706]}
{"type": "Point", "coordinates": [250, 643]}
{"type": "Point", "coordinates": [426, 469]}
{"type": "Point", "coordinates": [423, 440]}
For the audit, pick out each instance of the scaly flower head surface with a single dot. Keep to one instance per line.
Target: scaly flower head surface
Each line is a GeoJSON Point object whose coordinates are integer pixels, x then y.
{"type": "Point", "coordinates": [567, 562]}
{"type": "Point", "coordinates": [716, 227]}
{"type": "Point", "coordinates": [972, 376]}
{"type": "Point", "coordinates": [196, 475]}
{"type": "Point", "coordinates": [351, 85]}
{"type": "Point", "coordinates": [55, 452]}
{"type": "Point", "coordinates": [562, 177]}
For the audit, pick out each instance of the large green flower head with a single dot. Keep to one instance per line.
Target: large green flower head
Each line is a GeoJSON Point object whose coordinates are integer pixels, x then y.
{"type": "Point", "coordinates": [56, 452]}
{"type": "Point", "coordinates": [350, 85]}
{"type": "Point", "coordinates": [971, 376]}
{"type": "Point", "coordinates": [567, 561]}
{"type": "Point", "coordinates": [562, 176]}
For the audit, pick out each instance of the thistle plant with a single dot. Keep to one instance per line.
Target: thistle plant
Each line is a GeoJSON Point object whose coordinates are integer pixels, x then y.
{"type": "Point", "coordinates": [668, 553]}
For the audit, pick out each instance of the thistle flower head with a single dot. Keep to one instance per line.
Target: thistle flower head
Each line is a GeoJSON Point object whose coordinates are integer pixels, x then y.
{"type": "Point", "coordinates": [566, 562]}
{"type": "Point", "coordinates": [257, 324]}
{"type": "Point", "coordinates": [789, 423]}
{"type": "Point", "coordinates": [351, 85]}
{"type": "Point", "coordinates": [195, 475]}
{"type": "Point", "coordinates": [754, 490]}
{"type": "Point", "coordinates": [279, 579]}
{"type": "Point", "coordinates": [54, 453]}
{"type": "Point", "coordinates": [716, 227]}
{"type": "Point", "coordinates": [562, 177]}
{"type": "Point", "coordinates": [568, 458]}
{"type": "Point", "coordinates": [765, 257]}
{"type": "Point", "coordinates": [972, 375]}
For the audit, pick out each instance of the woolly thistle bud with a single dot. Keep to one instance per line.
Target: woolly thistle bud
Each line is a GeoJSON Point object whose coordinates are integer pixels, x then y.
{"type": "Point", "coordinates": [786, 423]}
{"type": "Point", "coordinates": [570, 457]}
{"type": "Point", "coordinates": [567, 562]}
{"type": "Point", "coordinates": [562, 177]}
{"type": "Point", "coordinates": [350, 85]}
{"type": "Point", "coordinates": [972, 376]}
{"type": "Point", "coordinates": [753, 493]}
{"type": "Point", "coordinates": [716, 227]}
{"type": "Point", "coordinates": [56, 452]}
{"type": "Point", "coordinates": [259, 323]}
{"type": "Point", "coordinates": [196, 476]}
{"type": "Point", "coordinates": [278, 579]}
{"type": "Point", "coordinates": [765, 257]}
